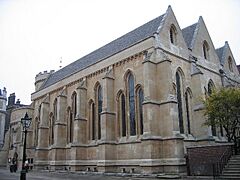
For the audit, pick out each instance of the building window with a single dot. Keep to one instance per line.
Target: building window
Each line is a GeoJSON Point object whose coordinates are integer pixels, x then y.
{"type": "Point", "coordinates": [51, 129]}
{"type": "Point", "coordinates": [36, 131]}
{"type": "Point", "coordinates": [53, 118]}
{"type": "Point", "coordinates": [100, 102]}
{"type": "Point", "coordinates": [205, 50]}
{"type": "Point", "coordinates": [140, 109]}
{"type": "Point", "coordinates": [188, 112]}
{"type": "Point", "coordinates": [123, 115]}
{"type": "Point", "coordinates": [74, 104]}
{"type": "Point", "coordinates": [230, 64]}
{"type": "Point", "coordinates": [210, 91]}
{"type": "Point", "coordinates": [131, 104]}
{"type": "Point", "coordinates": [93, 120]}
{"type": "Point", "coordinates": [173, 35]}
{"type": "Point", "coordinates": [179, 101]}
{"type": "Point", "coordinates": [69, 125]}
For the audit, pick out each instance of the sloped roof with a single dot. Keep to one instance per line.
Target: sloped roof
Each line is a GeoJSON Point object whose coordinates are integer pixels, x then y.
{"type": "Point", "coordinates": [137, 35]}
{"type": "Point", "coordinates": [219, 52]}
{"type": "Point", "coordinates": [188, 33]}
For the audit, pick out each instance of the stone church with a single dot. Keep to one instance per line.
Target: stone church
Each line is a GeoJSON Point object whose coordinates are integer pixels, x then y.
{"type": "Point", "coordinates": [133, 105]}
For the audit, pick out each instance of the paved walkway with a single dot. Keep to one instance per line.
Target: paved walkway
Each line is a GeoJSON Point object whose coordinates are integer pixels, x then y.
{"type": "Point", "coordinates": [5, 174]}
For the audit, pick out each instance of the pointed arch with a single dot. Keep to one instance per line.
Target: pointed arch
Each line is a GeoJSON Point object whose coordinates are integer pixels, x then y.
{"type": "Point", "coordinates": [36, 123]}
{"type": "Point", "coordinates": [210, 90]}
{"type": "Point", "coordinates": [188, 97]}
{"type": "Point", "coordinates": [51, 128]}
{"type": "Point", "coordinates": [130, 89]}
{"type": "Point", "coordinates": [179, 87]}
{"type": "Point", "coordinates": [121, 100]}
{"type": "Point", "coordinates": [69, 125]}
{"type": "Point", "coordinates": [173, 34]}
{"type": "Point", "coordinates": [230, 64]}
{"type": "Point", "coordinates": [140, 99]}
{"type": "Point", "coordinates": [205, 48]}
{"type": "Point", "coordinates": [74, 104]}
{"type": "Point", "coordinates": [99, 103]}
{"type": "Point", "coordinates": [92, 120]}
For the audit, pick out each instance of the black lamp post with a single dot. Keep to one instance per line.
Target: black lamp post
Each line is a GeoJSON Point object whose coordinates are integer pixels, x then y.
{"type": "Point", "coordinates": [26, 121]}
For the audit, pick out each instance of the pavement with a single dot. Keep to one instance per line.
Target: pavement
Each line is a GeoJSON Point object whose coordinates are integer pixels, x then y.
{"type": "Point", "coordinates": [5, 174]}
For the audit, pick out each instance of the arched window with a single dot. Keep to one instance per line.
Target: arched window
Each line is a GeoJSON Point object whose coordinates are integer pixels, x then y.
{"type": "Point", "coordinates": [69, 123]}
{"type": "Point", "coordinates": [205, 50]}
{"type": "Point", "coordinates": [51, 129]}
{"type": "Point", "coordinates": [140, 109]}
{"type": "Point", "coordinates": [210, 91]}
{"type": "Point", "coordinates": [53, 118]}
{"type": "Point", "coordinates": [187, 98]}
{"type": "Point", "coordinates": [230, 64]}
{"type": "Point", "coordinates": [36, 132]}
{"type": "Point", "coordinates": [122, 114]}
{"type": "Point", "coordinates": [179, 101]}
{"type": "Point", "coordinates": [92, 115]}
{"type": "Point", "coordinates": [100, 102]}
{"type": "Point", "coordinates": [131, 104]}
{"type": "Point", "coordinates": [173, 35]}
{"type": "Point", "coordinates": [74, 105]}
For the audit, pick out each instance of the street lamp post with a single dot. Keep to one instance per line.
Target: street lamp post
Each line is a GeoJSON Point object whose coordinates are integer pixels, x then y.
{"type": "Point", "coordinates": [26, 121]}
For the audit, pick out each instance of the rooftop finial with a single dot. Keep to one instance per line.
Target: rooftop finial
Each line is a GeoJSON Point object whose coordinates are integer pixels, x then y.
{"type": "Point", "coordinates": [60, 66]}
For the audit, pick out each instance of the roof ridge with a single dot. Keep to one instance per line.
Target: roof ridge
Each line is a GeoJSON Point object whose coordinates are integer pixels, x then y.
{"type": "Point", "coordinates": [119, 44]}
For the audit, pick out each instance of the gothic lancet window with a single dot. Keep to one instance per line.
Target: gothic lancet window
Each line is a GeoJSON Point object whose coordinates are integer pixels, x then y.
{"type": "Point", "coordinates": [52, 121]}
{"type": "Point", "coordinates": [100, 102]}
{"type": "Point", "coordinates": [140, 109]}
{"type": "Point", "coordinates": [93, 121]}
{"type": "Point", "coordinates": [188, 112]}
{"type": "Point", "coordinates": [123, 115]}
{"type": "Point", "coordinates": [205, 50]}
{"type": "Point", "coordinates": [74, 104]}
{"type": "Point", "coordinates": [210, 91]}
{"type": "Point", "coordinates": [131, 104]}
{"type": "Point", "coordinates": [179, 101]}
{"type": "Point", "coordinates": [173, 35]}
{"type": "Point", "coordinates": [230, 64]}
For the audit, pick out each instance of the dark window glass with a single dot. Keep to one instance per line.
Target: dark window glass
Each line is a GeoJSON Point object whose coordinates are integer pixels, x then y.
{"type": "Point", "coordinates": [131, 104]}
{"type": "Point", "coordinates": [74, 104]}
{"type": "Point", "coordinates": [93, 121]}
{"type": "Point", "coordinates": [140, 101]}
{"type": "Point", "coordinates": [100, 101]}
{"type": "Point", "coordinates": [179, 100]}
{"type": "Point", "coordinates": [188, 116]}
{"type": "Point", "coordinates": [123, 115]}
{"type": "Point", "coordinates": [171, 35]}
{"type": "Point", "coordinates": [71, 127]}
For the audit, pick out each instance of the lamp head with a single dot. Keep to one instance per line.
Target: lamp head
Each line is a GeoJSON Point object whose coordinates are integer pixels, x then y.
{"type": "Point", "coordinates": [26, 121]}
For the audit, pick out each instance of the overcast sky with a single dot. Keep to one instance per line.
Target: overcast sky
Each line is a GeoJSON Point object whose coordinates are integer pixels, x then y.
{"type": "Point", "coordinates": [36, 34]}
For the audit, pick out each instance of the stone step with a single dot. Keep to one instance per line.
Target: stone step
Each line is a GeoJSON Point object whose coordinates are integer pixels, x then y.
{"type": "Point", "coordinates": [231, 172]}
{"type": "Point", "coordinates": [231, 169]}
{"type": "Point", "coordinates": [228, 177]}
